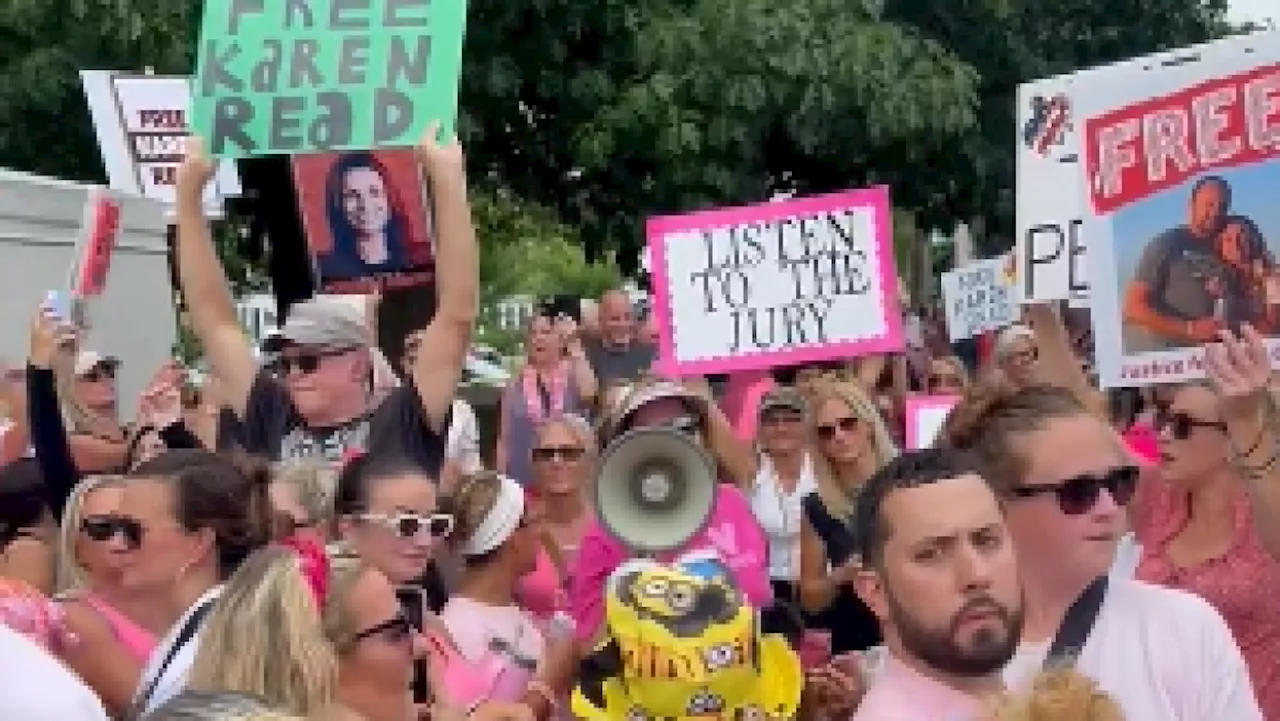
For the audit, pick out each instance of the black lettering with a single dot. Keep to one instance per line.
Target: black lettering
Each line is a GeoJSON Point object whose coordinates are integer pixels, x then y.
{"type": "Point", "coordinates": [358, 22]}
{"type": "Point", "coordinates": [391, 17]}
{"type": "Point", "coordinates": [230, 118]}
{"type": "Point", "coordinates": [783, 226]}
{"type": "Point", "coordinates": [264, 78]}
{"type": "Point", "coordinates": [331, 128]}
{"type": "Point", "coordinates": [300, 8]}
{"type": "Point", "coordinates": [742, 297]}
{"type": "Point", "coordinates": [1077, 274]}
{"type": "Point", "coordinates": [1033, 258]}
{"type": "Point", "coordinates": [751, 238]}
{"type": "Point", "coordinates": [392, 115]}
{"type": "Point", "coordinates": [708, 298]}
{"type": "Point", "coordinates": [215, 72]}
{"type": "Point", "coordinates": [737, 331]}
{"type": "Point", "coordinates": [302, 64]}
{"type": "Point", "coordinates": [240, 8]}
{"type": "Point", "coordinates": [844, 230]}
{"type": "Point", "coordinates": [353, 60]}
{"type": "Point", "coordinates": [286, 126]}
{"type": "Point", "coordinates": [412, 67]}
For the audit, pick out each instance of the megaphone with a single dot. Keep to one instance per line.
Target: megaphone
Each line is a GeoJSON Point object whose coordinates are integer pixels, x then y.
{"type": "Point", "coordinates": [655, 489]}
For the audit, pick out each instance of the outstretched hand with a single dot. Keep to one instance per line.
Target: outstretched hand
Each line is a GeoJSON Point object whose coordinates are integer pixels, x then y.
{"type": "Point", "coordinates": [1239, 369]}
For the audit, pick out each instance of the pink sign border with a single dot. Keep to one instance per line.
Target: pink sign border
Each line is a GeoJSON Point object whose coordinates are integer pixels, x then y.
{"type": "Point", "coordinates": [656, 228]}
{"type": "Point", "coordinates": [915, 405]}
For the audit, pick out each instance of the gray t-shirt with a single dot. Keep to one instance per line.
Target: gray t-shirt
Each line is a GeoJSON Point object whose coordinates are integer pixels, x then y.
{"type": "Point", "coordinates": [1180, 271]}
{"type": "Point", "coordinates": [612, 364]}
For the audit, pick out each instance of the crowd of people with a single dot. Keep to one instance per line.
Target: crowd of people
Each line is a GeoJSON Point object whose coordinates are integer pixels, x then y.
{"type": "Point", "coordinates": [318, 532]}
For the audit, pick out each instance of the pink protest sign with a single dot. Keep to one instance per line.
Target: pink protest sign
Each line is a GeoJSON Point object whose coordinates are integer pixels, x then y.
{"type": "Point", "coordinates": [798, 281]}
{"type": "Point", "coordinates": [925, 416]}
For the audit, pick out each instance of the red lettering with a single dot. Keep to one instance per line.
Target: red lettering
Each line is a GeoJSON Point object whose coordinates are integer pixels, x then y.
{"type": "Point", "coordinates": [164, 174]}
{"type": "Point", "coordinates": [171, 119]}
{"type": "Point", "coordinates": [1156, 144]}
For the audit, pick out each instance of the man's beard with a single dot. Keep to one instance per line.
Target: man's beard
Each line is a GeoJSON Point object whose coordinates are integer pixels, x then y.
{"type": "Point", "coordinates": [988, 653]}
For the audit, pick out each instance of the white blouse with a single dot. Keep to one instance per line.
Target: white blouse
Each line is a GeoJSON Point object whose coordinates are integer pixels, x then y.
{"type": "Point", "coordinates": [778, 513]}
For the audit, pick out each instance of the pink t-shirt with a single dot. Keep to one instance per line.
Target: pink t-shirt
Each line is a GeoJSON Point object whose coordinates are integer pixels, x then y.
{"type": "Point", "coordinates": [900, 693]}
{"type": "Point", "coordinates": [732, 532]}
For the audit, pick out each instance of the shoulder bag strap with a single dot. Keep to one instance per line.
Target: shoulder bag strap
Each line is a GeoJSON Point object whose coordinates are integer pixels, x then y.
{"type": "Point", "coordinates": [1076, 626]}
{"type": "Point", "coordinates": [185, 634]}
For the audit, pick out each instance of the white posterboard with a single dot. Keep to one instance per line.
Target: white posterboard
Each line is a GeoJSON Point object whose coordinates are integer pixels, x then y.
{"type": "Point", "coordinates": [980, 297]}
{"type": "Point", "coordinates": [1180, 163]}
{"type": "Point", "coordinates": [141, 121]}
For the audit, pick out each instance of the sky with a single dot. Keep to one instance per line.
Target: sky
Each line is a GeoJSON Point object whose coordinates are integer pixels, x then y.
{"type": "Point", "coordinates": [1256, 10]}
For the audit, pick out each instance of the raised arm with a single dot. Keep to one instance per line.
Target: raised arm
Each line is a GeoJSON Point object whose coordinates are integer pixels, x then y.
{"type": "Point", "coordinates": [1058, 363]}
{"type": "Point", "coordinates": [445, 341]}
{"type": "Point", "coordinates": [204, 285]}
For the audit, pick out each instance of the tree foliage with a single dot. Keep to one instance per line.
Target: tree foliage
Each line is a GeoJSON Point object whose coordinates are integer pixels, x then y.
{"type": "Point", "coordinates": [582, 117]}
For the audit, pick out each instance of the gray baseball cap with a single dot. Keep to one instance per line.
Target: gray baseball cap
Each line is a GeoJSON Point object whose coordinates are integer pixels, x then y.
{"type": "Point", "coordinates": [321, 322]}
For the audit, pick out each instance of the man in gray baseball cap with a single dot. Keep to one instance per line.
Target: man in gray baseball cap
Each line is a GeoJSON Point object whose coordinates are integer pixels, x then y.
{"type": "Point", "coordinates": [315, 400]}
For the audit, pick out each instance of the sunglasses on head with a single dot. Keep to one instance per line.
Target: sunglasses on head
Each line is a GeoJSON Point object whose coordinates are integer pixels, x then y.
{"type": "Point", "coordinates": [1182, 425]}
{"type": "Point", "coordinates": [1080, 494]}
{"type": "Point", "coordinates": [827, 431]}
{"type": "Point", "coordinates": [413, 525]}
{"type": "Point", "coordinates": [306, 362]}
{"type": "Point", "coordinates": [104, 528]}
{"type": "Point", "coordinates": [395, 630]}
{"type": "Point", "coordinates": [563, 453]}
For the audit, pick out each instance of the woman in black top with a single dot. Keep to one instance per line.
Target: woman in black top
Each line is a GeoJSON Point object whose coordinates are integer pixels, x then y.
{"type": "Point", "coordinates": [852, 442]}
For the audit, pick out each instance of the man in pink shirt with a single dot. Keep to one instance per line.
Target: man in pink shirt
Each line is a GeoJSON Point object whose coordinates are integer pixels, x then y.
{"type": "Point", "coordinates": [940, 574]}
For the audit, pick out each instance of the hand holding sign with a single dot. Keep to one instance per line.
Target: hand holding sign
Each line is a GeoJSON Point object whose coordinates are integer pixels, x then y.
{"type": "Point", "coordinates": [444, 162]}
{"type": "Point", "coordinates": [1238, 369]}
{"type": "Point", "coordinates": [196, 169]}
{"type": "Point", "coordinates": [50, 336]}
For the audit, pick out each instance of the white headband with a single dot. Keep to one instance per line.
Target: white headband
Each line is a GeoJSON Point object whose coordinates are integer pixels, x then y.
{"type": "Point", "coordinates": [502, 521]}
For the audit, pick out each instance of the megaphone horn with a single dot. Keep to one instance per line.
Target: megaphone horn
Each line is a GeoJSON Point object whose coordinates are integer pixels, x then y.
{"type": "Point", "coordinates": [654, 490]}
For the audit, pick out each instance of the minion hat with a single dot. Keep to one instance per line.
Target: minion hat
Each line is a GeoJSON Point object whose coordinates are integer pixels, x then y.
{"type": "Point", "coordinates": [683, 643]}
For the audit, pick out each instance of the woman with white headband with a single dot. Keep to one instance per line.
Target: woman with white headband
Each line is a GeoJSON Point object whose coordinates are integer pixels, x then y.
{"type": "Point", "coordinates": [485, 646]}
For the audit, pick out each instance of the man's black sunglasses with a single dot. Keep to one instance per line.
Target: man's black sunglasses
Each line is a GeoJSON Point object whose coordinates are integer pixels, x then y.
{"type": "Point", "coordinates": [1080, 494]}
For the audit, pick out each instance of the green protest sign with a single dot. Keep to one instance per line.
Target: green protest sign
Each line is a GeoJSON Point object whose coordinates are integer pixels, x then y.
{"type": "Point", "coordinates": [306, 76]}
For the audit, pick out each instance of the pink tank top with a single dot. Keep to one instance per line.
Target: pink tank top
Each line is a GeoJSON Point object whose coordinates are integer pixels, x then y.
{"type": "Point", "coordinates": [135, 639]}
{"type": "Point", "coordinates": [540, 591]}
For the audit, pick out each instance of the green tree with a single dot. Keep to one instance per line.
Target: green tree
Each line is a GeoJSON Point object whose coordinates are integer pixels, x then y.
{"type": "Point", "coordinates": [44, 120]}
{"type": "Point", "coordinates": [526, 250]}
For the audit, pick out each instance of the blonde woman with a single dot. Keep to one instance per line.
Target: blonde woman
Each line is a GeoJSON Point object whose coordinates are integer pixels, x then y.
{"type": "Point", "coordinates": [115, 630]}
{"type": "Point", "coordinates": [263, 639]}
{"type": "Point", "coordinates": [851, 443]}
{"type": "Point", "coordinates": [302, 495]}
{"type": "Point", "coordinates": [564, 459]}
{"type": "Point", "coordinates": [219, 706]}
{"type": "Point", "coordinates": [1065, 695]}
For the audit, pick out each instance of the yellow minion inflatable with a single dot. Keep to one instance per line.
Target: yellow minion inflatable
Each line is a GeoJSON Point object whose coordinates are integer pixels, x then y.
{"type": "Point", "coordinates": [683, 644]}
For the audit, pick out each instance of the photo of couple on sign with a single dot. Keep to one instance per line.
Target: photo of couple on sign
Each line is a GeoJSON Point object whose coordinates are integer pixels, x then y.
{"type": "Point", "coordinates": [1216, 270]}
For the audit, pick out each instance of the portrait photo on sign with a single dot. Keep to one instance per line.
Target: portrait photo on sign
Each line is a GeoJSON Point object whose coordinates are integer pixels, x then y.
{"type": "Point", "coordinates": [1199, 258]}
{"type": "Point", "coordinates": [366, 219]}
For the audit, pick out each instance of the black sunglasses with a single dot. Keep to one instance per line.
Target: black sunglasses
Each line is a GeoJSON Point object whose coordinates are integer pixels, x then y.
{"type": "Point", "coordinates": [827, 431]}
{"type": "Point", "coordinates": [104, 528]}
{"type": "Point", "coordinates": [307, 362]}
{"type": "Point", "coordinates": [564, 453]}
{"type": "Point", "coordinates": [1181, 425]}
{"type": "Point", "coordinates": [1080, 494]}
{"type": "Point", "coordinates": [394, 630]}
{"type": "Point", "coordinates": [953, 381]}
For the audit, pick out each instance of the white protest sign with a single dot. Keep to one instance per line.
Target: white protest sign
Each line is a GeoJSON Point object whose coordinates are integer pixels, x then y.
{"type": "Point", "coordinates": [141, 121]}
{"type": "Point", "coordinates": [925, 417]}
{"type": "Point", "coordinates": [1180, 164]}
{"type": "Point", "coordinates": [980, 297]}
{"type": "Point", "coordinates": [779, 283]}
